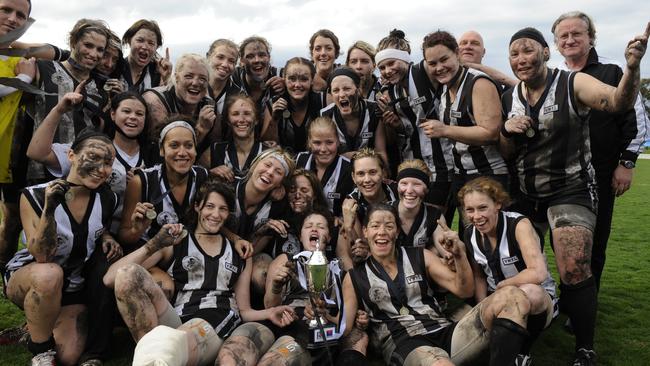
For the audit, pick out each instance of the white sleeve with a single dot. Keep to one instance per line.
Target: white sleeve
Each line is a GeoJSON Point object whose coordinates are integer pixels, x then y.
{"type": "Point", "coordinates": [61, 152]}
{"type": "Point", "coordinates": [6, 90]}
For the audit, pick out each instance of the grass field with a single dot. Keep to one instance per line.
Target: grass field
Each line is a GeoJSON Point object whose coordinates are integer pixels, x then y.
{"type": "Point", "coordinates": [623, 320]}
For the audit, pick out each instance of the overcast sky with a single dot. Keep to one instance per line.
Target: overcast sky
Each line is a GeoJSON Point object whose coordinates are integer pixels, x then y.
{"type": "Point", "coordinates": [190, 25]}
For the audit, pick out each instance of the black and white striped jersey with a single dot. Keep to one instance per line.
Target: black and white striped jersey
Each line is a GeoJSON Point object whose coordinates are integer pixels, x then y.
{"type": "Point", "coordinates": [336, 182]}
{"type": "Point", "coordinates": [506, 260]}
{"type": "Point", "coordinates": [557, 159]}
{"type": "Point", "coordinates": [293, 137]}
{"type": "Point", "coordinates": [225, 153]}
{"type": "Point", "coordinates": [122, 164]}
{"type": "Point", "coordinates": [220, 100]}
{"type": "Point", "coordinates": [55, 78]}
{"type": "Point", "coordinates": [419, 101]}
{"type": "Point", "coordinates": [156, 190]}
{"type": "Point", "coordinates": [247, 224]}
{"type": "Point", "coordinates": [369, 117]}
{"type": "Point", "coordinates": [421, 233]}
{"type": "Point", "coordinates": [149, 78]}
{"type": "Point", "coordinates": [206, 282]}
{"type": "Point", "coordinates": [383, 307]}
{"type": "Point", "coordinates": [391, 198]}
{"type": "Point", "coordinates": [75, 241]}
{"type": "Point", "coordinates": [469, 159]}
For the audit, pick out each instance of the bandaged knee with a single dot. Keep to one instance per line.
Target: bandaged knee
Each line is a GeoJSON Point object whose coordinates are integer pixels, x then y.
{"type": "Point", "coordinates": [208, 342]}
{"type": "Point", "coordinates": [425, 356]}
{"type": "Point", "coordinates": [162, 346]}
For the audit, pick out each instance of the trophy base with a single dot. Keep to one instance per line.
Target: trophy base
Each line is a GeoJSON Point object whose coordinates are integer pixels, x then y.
{"type": "Point", "coordinates": [316, 336]}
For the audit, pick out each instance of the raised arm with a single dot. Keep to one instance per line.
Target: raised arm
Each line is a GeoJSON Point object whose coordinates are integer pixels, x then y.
{"type": "Point", "coordinates": [597, 95]}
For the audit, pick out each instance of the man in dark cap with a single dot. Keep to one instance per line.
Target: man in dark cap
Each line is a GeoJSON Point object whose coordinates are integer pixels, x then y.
{"type": "Point", "coordinates": [547, 133]}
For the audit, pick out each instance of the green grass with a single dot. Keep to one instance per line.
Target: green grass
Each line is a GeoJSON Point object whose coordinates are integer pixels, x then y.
{"type": "Point", "coordinates": [623, 320]}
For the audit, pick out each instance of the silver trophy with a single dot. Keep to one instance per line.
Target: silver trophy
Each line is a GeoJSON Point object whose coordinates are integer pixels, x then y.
{"type": "Point", "coordinates": [318, 282]}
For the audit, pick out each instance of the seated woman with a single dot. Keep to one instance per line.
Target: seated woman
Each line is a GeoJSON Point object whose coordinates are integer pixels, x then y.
{"type": "Point", "coordinates": [289, 116]}
{"type": "Point", "coordinates": [231, 160]}
{"type": "Point", "coordinates": [211, 297]}
{"type": "Point", "coordinates": [186, 96]}
{"type": "Point", "coordinates": [286, 284]}
{"type": "Point", "coordinates": [129, 115]}
{"type": "Point", "coordinates": [255, 205]}
{"type": "Point", "coordinates": [333, 170]}
{"type": "Point", "coordinates": [419, 220]}
{"type": "Point", "coordinates": [504, 250]}
{"type": "Point", "coordinates": [361, 59]}
{"type": "Point", "coordinates": [143, 69]}
{"type": "Point", "coordinates": [64, 221]}
{"type": "Point", "coordinates": [162, 194]}
{"type": "Point", "coordinates": [367, 174]}
{"type": "Point", "coordinates": [283, 235]}
{"type": "Point", "coordinates": [394, 287]}
{"type": "Point", "coordinates": [359, 123]}
{"type": "Point", "coordinates": [324, 48]}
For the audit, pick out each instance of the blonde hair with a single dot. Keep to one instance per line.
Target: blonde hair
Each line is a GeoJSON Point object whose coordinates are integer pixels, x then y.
{"type": "Point", "coordinates": [322, 122]}
{"type": "Point", "coordinates": [276, 152]}
{"type": "Point", "coordinates": [187, 58]}
{"type": "Point", "coordinates": [367, 152]}
{"type": "Point", "coordinates": [364, 47]}
{"type": "Point", "coordinates": [414, 164]}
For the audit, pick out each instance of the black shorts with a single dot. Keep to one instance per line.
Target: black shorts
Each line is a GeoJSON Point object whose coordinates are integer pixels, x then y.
{"type": "Point", "coordinates": [538, 209]}
{"type": "Point", "coordinates": [440, 339]}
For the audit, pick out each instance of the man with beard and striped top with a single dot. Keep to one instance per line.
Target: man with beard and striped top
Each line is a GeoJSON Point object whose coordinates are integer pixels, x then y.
{"type": "Point", "coordinates": [547, 133]}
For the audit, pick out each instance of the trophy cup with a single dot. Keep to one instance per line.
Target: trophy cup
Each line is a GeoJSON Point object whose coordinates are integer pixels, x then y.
{"type": "Point", "coordinates": [317, 276]}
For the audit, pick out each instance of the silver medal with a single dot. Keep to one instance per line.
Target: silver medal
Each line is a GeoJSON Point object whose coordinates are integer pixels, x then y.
{"type": "Point", "coordinates": [286, 113]}
{"type": "Point", "coordinates": [107, 87]}
{"type": "Point", "coordinates": [404, 311]}
{"type": "Point", "coordinates": [69, 196]}
{"type": "Point", "coordinates": [151, 214]}
{"type": "Point", "coordinates": [530, 132]}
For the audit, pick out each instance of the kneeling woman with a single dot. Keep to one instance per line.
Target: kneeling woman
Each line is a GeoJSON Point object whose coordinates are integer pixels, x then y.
{"type": "Point", "coordinates": [504, 250]}
{"type": "Point", "coordinates": [211, 291]}
{"type": "Point", "coordinates": [394, 287]}
{"type": "Point", "coordinates": [63, 221]}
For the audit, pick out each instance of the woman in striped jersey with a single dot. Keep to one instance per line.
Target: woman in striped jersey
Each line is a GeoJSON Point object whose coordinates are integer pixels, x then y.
{"type": "Point", "coordinates": [361, 59]}
{"type": "Point", "coordinates": [289, 116]}
{"type": "Point", "coordinates": [230, 160]}
{"type": "Point", "coordinates": [504, 250]}
{"type": "Point", "coordinates": [65, 221]}
{"type": "Point", "coordinates": [394, 286]}
{"type": "Point", "coordinates": [211, 297]}
{"type": "Point", "coordinates": [469, 117]}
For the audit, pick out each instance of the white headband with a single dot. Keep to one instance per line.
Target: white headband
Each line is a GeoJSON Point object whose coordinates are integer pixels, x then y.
{"type": "Point", "coordinates": [282, 161]}
{"type": "Point", "coordinates": [392, 53]}
{"type": "Point", "coordinates": [174, 125]}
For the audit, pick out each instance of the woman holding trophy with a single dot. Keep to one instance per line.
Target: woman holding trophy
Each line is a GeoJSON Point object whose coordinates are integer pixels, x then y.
{"type": "Point", "coordinates": [303, 282]}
